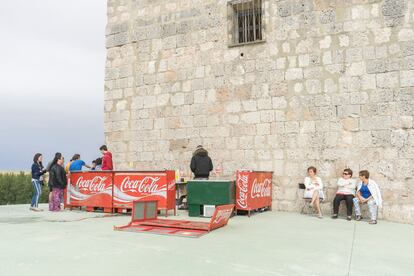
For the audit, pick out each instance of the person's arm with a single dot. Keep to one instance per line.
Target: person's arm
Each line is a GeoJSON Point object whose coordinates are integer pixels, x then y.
{"type": "Point", "coordinates": [36, 171]}
{"type": "Point", "coordinates": [211, 165]}
{"type": "Point", "coordinates": [85, 165]}
{"type": "Point", "coordinates": [320, 187]}
{"type": "Point", "coordinates": [350, 185]}
{"type": "Point", "coordinates": [42, 170]}
{"type": "Point", "coordinates": [341, 182]}
{"type": "Point", "coordinates": [367, 199]}
{"type": "Point", "coordinates": [308, 183]}
{"type": "Point", "coordinates": [193, 164]}
{"type": "Point", "coordinates": [104, 162]}
{"type": "Point", "coordinates": [60, 177]}
{"type": "Point", "coordinates": [358, 195]}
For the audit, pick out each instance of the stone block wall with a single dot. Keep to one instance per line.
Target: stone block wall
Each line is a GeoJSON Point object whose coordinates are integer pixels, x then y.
{"type": "Point", "coordinates": [332, 86]}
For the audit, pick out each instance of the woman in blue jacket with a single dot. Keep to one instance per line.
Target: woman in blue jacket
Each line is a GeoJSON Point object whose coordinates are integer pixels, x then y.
{"type": "Point", "coordinates": [37, 179]}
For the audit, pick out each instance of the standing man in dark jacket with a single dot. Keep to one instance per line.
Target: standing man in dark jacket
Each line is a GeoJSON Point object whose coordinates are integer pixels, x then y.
{"type": "Point", "coordinates": [201, 164]}
{"type": "Point", "coordinates": [57, 181]}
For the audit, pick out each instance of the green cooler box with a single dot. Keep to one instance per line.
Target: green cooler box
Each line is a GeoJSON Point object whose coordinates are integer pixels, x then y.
{"type": "Point", "coordinates": [209, 192]}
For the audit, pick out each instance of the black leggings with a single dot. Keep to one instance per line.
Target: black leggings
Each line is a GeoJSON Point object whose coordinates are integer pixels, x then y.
{"type": "Point", "coordinates": [349, 203]}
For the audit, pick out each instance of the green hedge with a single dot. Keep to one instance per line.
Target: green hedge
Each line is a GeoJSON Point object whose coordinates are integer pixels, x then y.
{"type": "Point", "coordinates": [18, 189]}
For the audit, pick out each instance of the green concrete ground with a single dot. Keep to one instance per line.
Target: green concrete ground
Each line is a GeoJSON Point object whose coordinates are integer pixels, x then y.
{"type": "Point", "coordinates": [270, 243]}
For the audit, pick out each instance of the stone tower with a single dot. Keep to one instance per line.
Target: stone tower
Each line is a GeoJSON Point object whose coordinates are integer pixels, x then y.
{"type": "Point", "coordinates": [269, 85]}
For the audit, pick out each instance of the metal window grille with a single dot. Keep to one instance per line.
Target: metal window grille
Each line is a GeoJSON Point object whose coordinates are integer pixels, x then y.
{"type": "Point", "coordinates": [247, 21]}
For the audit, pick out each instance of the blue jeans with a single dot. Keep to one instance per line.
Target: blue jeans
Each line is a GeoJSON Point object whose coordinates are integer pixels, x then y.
{"type": "Point", "coordinates": [37, 192]}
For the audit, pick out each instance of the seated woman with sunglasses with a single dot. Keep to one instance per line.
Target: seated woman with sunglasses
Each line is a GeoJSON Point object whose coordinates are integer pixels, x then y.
{"type": "Point", "coordinates": [346, 191]}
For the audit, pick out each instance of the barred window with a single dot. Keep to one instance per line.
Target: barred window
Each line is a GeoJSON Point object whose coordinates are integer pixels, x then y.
{"type": "Point", "coordinates": [246, 21]}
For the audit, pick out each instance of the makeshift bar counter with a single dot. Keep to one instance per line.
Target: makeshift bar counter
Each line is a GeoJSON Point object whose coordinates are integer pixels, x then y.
{"type": "Point", "coordinates": [253, 190]}
{"type": "Point", "coordinates": [148, 185]}
{"type": "Point", "coordinates": [89, 189]}
{"type": "Point", "coordinates": [209, 192]}
{"type": "Point", "coordinates": [116, 190]}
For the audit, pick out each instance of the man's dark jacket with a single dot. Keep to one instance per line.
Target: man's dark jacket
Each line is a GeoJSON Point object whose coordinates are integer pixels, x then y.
{"type": "Point", "coordinates": [201, 164]}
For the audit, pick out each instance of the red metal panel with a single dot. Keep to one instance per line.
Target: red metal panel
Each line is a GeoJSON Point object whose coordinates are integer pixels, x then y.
{"type": "Point", "coordinates": [181, 224]}
{"type": "Point", "coordinates": [171, 192]}
{"type": "Point", "coordinates": [90, 189]}
{"type": "Point", "coordinates": [144, 211]}
{"type": "Point", "coordinates": [253, 190]}
{"type": "Point", "coordinates": [191, 233]}
{"type": "Point", "coordinates": [185, 228]}
{"type": "Point", "coordinates": [130, 186]}
{"type": "Point", "coordinates": [221, 216]}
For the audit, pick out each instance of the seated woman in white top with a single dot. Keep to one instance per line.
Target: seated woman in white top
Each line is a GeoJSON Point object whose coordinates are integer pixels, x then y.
{"type": "Point", "coordinates": [314, 189]}
{"type": "Point", "coordinates": [346, 191]}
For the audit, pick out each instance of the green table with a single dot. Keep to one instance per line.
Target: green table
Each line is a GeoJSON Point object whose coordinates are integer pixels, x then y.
{"type": "Point", "coordinates": [209, 192]}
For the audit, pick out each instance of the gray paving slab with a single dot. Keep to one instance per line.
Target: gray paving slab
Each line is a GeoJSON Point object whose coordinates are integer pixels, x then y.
{"type": "Point", "coordinates": [269, 243]}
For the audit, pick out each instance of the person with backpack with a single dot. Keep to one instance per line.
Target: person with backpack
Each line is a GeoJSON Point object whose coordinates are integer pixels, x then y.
{"type": "Point", "coordinates": [37, 180]}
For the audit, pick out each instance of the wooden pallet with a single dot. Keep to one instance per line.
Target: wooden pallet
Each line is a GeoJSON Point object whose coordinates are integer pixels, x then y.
{"type": "Point", "coordinates": [94, 209]}
{"type": "Point", "coordinates": [122, 210]}
{"type": "Point", "coordinates": [267, 208]}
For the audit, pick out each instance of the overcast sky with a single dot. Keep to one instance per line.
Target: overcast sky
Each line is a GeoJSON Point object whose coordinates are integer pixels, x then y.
{"type": "Point", "coordinates": [52, 59]}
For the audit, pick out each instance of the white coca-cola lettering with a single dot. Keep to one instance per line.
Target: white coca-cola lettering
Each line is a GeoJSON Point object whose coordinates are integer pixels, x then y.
{"type": "Point", "coordinates": [96, 184]}
{"type": "Point", "coordinates": [223, 215]}
{"type": "Point", "coordinates": [171, 185]}
{"type": "Point", "coordinates": [262, 189]}
{"type": "Point", "coordinates": [242, 184]}
{"type": "Point", "coordinates": [146, 185]}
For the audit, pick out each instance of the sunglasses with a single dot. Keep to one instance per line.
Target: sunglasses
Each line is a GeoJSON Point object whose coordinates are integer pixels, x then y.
{"type": "Point", "coordinates": [345, 173]}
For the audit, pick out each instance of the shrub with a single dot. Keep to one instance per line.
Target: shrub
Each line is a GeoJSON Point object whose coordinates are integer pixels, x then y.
{"type": "Point", "coordinates": [18, 189]}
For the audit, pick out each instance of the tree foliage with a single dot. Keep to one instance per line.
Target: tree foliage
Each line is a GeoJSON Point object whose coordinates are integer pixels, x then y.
{"type": "Point", "coordinates": [18, 189]}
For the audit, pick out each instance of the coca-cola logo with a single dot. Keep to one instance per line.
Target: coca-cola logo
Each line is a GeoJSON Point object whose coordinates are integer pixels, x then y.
{"type": "Point", "coordinates": [223, 215]}
{"type": "Point", "coordinates": [262, 189]}
{"type": "Point", "coordinates": [242, 184]}
{"type": "Point", "coordinates": [96, 184]}
{"type": "Point", "coordinates": [171, 185]}
{"type": "Point", "coordinates": [146, 185]}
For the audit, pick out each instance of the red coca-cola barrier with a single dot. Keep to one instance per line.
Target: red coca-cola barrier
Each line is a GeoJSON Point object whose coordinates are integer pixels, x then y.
{"type": "Point", "coordinates": [253, 190]}
{"type": "Point", "coordinates": [115, 191]}
{"type": "Point", "coordinates": [131, 186]}
{"type": "Point", "coordinates": [90, 189]}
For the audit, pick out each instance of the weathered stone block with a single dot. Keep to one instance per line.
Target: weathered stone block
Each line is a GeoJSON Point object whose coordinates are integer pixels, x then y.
{"type": "Point", "coordinates": [294, 74]}
{"type": "Point", "coordinates": [116, 40]}
{"type": "Point", "coordinates": [407, 78]}
{"type": "Point", "coordinates": [388, 80]}
{"type": "Point", "coordinates": [284, 9]}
